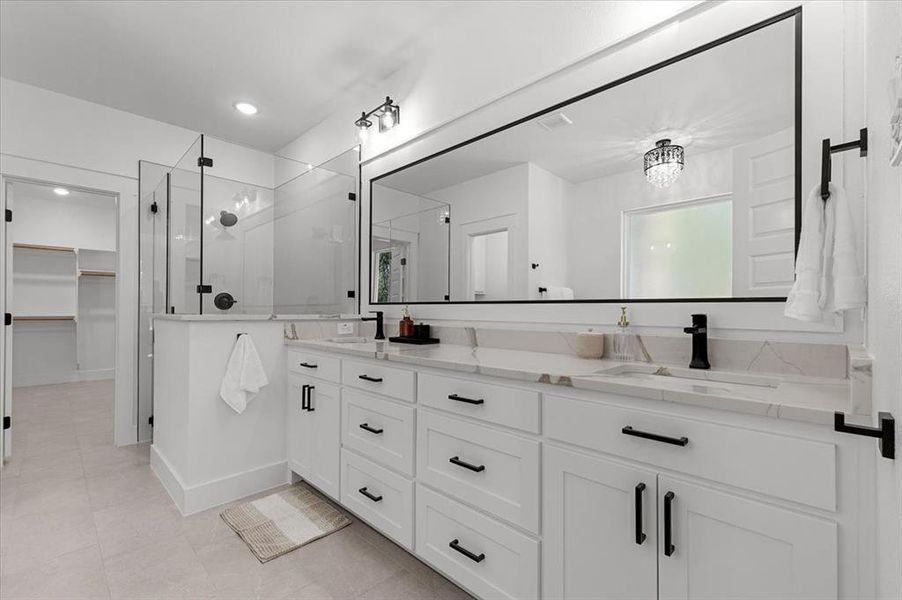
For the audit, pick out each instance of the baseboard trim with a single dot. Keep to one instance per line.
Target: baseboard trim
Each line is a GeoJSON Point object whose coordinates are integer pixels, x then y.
{"type": "Point", "coordinates": [196, 498]}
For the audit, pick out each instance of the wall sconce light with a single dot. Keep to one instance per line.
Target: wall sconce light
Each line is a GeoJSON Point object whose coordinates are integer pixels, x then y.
{"type": "Point", "coordinates": [388, 113]}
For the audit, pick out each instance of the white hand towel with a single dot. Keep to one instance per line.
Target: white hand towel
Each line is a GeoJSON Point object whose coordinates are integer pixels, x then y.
{"type": "Point", "coordinates": [244, 375]}
{"type": "Point", "coordinates": [827, 274]}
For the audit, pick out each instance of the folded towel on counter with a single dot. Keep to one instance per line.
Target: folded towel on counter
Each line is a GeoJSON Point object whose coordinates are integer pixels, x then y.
{"type": "Point", "coordinates": [556, 292]}
{"type": "Point", "coordinates": [827, 275]}
{"type": "Point", "coordinates": [244, 375]}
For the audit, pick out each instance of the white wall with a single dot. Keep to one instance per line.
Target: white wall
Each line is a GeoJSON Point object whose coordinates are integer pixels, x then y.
{"type": "Point", "coordinates": [65, 223]}
{"type": "Point", "coordinates": [550, 228]}
{"type": "Point", "coordinates": [58, 139]}
{"type": "Point", "coordinates": [883, 51]}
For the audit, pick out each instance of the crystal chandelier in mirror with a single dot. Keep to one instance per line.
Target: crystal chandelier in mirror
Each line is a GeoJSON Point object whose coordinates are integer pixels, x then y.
{"type": "Point", "coordinates": [663, 163]}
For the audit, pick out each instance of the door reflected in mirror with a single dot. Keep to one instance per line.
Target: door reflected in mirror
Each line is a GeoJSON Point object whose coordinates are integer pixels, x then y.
{"type": "Point", "coordinates": [680, 182]}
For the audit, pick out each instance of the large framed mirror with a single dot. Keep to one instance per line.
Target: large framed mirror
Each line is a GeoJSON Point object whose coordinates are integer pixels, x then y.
{"type": "Point", "coordinates": [646, 189]}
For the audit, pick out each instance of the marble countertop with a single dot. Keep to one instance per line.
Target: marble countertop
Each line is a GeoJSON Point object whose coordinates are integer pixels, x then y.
{"type": "Point", "coordinates": [250, 317]}
{"type": "Point", "coordinates": [799, 398]}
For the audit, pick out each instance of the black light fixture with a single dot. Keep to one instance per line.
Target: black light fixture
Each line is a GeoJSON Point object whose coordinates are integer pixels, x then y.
{"type": "Point", "coordinates": [388, 114]}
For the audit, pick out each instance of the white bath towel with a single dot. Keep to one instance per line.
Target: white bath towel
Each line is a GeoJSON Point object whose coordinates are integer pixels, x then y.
{"type": "Point", "coordinates": [827, 275]}
{"type": "Point", "coordinates": [244, 375]}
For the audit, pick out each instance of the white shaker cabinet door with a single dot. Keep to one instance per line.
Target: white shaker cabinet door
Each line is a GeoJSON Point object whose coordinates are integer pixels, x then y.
{"type": "Point", "coordinates": [718, 546]}
{"type": "Point", "coordinates": [299, 428]}
{"type": "Point", "coordinates": [324, 405]}
{"type": "Point", "coordinates": [600, 529]}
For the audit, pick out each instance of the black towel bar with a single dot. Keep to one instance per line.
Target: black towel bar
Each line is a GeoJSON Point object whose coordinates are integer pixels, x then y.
{"type": "Point", "coordinates": [826, 163]}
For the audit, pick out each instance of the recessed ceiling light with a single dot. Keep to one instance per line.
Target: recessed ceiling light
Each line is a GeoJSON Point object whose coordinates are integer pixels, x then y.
{"type": "Point", "coordinates": [61, 191]}
{"type": "Point", "coordinates": [246, 108]}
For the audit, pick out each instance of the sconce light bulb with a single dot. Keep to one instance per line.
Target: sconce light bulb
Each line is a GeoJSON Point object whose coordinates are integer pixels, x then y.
{"type": "Point", "coordinates": [388, 119]}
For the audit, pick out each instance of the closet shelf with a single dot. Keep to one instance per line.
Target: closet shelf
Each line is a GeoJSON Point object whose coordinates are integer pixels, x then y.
{"type": "Point", "coordinates": [86, 273]}
{"type": "Point", "coordinates": [44, 318]}
{"type": "Point", "coordinates": [44, 247]}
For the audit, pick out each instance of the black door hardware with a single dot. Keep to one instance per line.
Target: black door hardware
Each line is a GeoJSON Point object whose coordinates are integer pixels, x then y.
{"type": "Point", "coordinates": [7, 422]}
{"type": "Point", "coordinates": [7, 319]}
{"type": "Point", "coordinates": [304, 397]}
{"type": "Point", "coordinates": [310, 389]}
{"type": "Point", "coordinates": [150, 420]}
{"type": "Point", "coordinates": [370, 379]}
{"type": "Point", "coordinates": [681, 441]}
{"type": "Point", "coordinates": [640, 535]}
{"type": "Point", "coordinates": [366, 426]}
{"type": "Point", "coordinates": [9, 216]}
{"type": "Point", "coordinates": [369, 495]}
{"type": "Point", "coordinates": [307, 365]}
{"type": "Point", "coordinates": [886, 433]}
{"type": "Point", "coordinates": [457, 398]}
{"type": "Point", "coordinates": [455, 460]}
{"type": "Point", "coordinates": [455, 545]}
{"type": "Point", "coordinates": [668, 524]}
{"type": "Point", "coordinates": [204, 289]}
{"type": "Point", "coordinates": [352, 196]}
{"type": "Point", "coordinates": [154, 208]}
{"type": "Point", "coordinates": [204, 161]}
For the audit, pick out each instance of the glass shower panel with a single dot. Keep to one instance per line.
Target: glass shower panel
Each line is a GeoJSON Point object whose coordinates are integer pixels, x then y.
{"type": "Point", "coordinates": [238, 246]}
{"type": "Point", "coordinates": [184, 232]}
{"type": "Point", "coordinates": [314, 228]}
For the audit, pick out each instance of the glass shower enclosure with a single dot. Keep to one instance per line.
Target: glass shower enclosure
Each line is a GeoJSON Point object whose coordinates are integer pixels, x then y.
{"type": "Point", "coordinates": [213, 244]}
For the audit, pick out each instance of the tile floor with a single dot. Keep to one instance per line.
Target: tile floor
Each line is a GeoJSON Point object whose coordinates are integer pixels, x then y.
{"type": "Point", "coordinates": [80, 518]}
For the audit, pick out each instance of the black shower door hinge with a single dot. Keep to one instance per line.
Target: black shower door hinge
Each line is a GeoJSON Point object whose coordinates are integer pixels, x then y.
{"type": "Point", "coordinates": [352, 294]}
{"type": "Point", "coordinates": [9, 216]}
{"type": "Point", "coordinates": [352, 196]}
{"type": "Point", "coordinates": [7, 319]}
{"type": "Point", "coordinates": [7, 422]}
{"type": "Point", "coordinates": [204, 161]}
{"type": "Point", "coordinates": [204, 289]}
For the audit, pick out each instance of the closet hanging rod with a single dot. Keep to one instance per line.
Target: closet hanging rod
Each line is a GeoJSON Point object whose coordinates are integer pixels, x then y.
{"type": "Point", "coordinates": [827, 163]}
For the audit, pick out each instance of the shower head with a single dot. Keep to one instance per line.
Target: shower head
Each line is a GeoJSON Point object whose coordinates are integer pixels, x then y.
{"type": "Point", "coordinates": [227, 219]}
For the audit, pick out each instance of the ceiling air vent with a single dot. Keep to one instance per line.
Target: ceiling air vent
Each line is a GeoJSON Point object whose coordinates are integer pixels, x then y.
{"type": "Point", "coordinates": [555, 121]}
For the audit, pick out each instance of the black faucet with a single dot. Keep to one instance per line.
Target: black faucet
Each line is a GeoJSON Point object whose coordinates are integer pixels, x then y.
{"type": "Point", "coordinates": [380, 333]}
{"type": "Point", "coordinates": [699, 331]}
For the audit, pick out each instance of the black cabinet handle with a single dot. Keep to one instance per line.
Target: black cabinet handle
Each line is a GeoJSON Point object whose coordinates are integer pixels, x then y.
{"type": "Point", "coordinates": [456, 460]}
{"type": "Point", "coordinates": [455, 544]}
{"type": "Point", "coordinates": [668, 524]}
{"type": "Point", "coordinates": [310, 389]}
{"type": "Point", "coordinates": [370, 379]}
{"type": "Point", "coordinates": [308, 365]}
{"type": "Point", "coordinates": [457, 398]}
{"type": "Point", "coordinates": [304, 397]}
{"type": "Point", "coordinates": [369, 495]}
{"type": "Point", "coordinates": [640, 535]}
{"type": "Point", "coordinates": [367, 427]}
{"type": "Point", "coordinates": [681, 441]}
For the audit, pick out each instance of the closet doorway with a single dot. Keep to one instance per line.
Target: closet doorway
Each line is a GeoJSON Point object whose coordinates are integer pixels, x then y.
{"type": "Point", "coordinates": [60, 288]}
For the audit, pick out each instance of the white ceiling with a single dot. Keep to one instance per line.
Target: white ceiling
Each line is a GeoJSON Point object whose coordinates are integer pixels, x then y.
{"type": "Point", "coordinates": [732, 94]}
{"type": "Point", "coordinates": [186, 62]}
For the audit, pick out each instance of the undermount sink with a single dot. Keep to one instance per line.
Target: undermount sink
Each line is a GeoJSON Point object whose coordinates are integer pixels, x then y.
{"type": "Point", "coordinates": [692, 377]}
{"type": "Point", "coordinates": [348, 340]}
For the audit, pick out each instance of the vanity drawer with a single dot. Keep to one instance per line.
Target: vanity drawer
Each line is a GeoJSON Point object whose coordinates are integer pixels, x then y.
{"type": "Point", "coordinates": [312, 364]}
{"type": "Point", "coordinates": [491, 469]}
{"type": "Point", "coordinates": [492, 560]}
{"type": "Point", "coordinates": [511, 407]}
{"type": "Point", "coordinates": [798, 469]}
{"type": "Point", "coordinates": [373, 377]}
{"type": "Point", "coordinates": [384, 499]}
{"type": "Point", "coordinates": [379, 429]}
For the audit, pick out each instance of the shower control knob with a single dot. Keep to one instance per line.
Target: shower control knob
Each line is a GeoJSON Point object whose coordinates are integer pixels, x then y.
{"type": "Point", "coordinates": [224, 301]}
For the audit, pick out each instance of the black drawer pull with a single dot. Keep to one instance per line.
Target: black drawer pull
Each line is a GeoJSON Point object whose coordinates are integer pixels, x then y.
{"type": "Point", "coordinates": [681, 441]}
{"type": "Point", "coordinates": [668, 524]}
{"type": "Point", "coordinates": [366, 426]}
{"type": "Point", "coordinates": [370, 379]}
{"type": "Point", "coordinates": [457, 398]}
{"type": "Point", "coordinates": [308, 365]}
{"type": "Point", "coordinates": [640, 535]}
{"type": "Point", "coordinates": [456, 460]}
{"type": "Point", "coordinates": [455, 544]}
{"type": "Point", "coordinates": [369, 495]}
{"type": "Point", "coordinates": [310, 389]}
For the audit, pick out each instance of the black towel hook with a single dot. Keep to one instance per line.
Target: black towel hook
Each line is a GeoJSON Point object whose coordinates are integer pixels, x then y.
{"type": "Point", "coordinates": [826, 162]}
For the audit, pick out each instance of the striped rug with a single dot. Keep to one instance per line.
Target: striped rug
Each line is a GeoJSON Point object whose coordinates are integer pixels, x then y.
{"type": "Point", "coordinates": [284, 521]}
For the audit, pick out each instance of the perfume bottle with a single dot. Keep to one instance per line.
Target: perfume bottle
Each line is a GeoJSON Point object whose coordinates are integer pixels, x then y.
{"type": "Point", "coordinates": [623, 339]}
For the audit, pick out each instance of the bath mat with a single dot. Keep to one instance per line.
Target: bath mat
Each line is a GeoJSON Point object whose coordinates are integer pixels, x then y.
{"type": "Point", "coordinates": [284, 521]}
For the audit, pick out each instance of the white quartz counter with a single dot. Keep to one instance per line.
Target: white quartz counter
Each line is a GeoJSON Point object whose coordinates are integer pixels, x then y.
{"type": "Point", "coordinates": [250, 317]}
{"type": "Point", "coordinates": [799, 398]}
